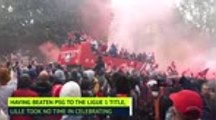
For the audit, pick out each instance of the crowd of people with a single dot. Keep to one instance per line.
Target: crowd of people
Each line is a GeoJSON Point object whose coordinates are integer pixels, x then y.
{"type": "Point", "coordinates": [113, 51]}
{"type": "Point", "coordinates": [158, 97]}
{"type": "Point", "coordinates": [102, 48]}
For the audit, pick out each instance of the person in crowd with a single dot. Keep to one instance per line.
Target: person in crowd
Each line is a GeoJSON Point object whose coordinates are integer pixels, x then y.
{"type": "Point", "coordinates": [134, 93]}
{"type": "Point", "coordinates": [100, 66]}
{"type": "Point", "coordinates": [94, 45]}
{"type": "Point", "coordinates": [156, 95]}
{"type": "Point", "coordinates": [187, 105]}
{"type": "Point", "coordinates": [150, 58]}
{"type": "Point", "coordinates": [77, 36]}
{"type": "Point", "coordinates": [103, 48]}
{"type": "Point", "coordinates": [55, 92]}
{"type": "Point", "coordinates": [59, 74]}
{"type": "Point", "coordinates": [122, 85]}
{"type": "Point", "coordinates": [160, 100]}
{"type": "Point", "coordinates": [23, 87]}
{"type": "Point", "coordinates": [113, 51]}
{"type": "Point", "coordinates": [122, 89]}
{"type": "Point", "coordinates": [42, 86]}
{"type": "Point", "coordinates": [126, 54]}
{"type": "Point", "coordinates": [3, 116]}
{"type": "Point", "coordinates": [23, 90]}
{"type": "Point", "coordinates": [32, 72]}
{"type": "Point", "coordinates": [121, 53]}
{"type": "Point", "coordinates": [70, 89]}
{"type": "Point", "coordinates": [103, 85]}
{"type": "Point", "coordinates": [209, 100]}
{"type": "Point", "coordinates": [143, 57]}
{"type": "Point", "coordinates": [86, 87]}
{"type": "Point", "coordinates": [185, 83]}
{"type": "Point", "coordinates": [87, 91]}
{"type": "Point", "coordinates": [109, 67]}
{"type": "Point", "coordinates": [145, 109]}
{"type": "Point", "coordinates": [96, 88]}
{"type": "Point", "coordinates": [70, 38]}
{"type": "Point", "coordinates": [83, 37]}
{"type": "Point", "coordinates": [8, 84]}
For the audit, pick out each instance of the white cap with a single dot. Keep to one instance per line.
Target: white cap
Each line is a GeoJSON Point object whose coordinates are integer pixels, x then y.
{"type": "Point", "coordinates": [151, 83]}
{"type": "Point", "coordinates": [70, 89]}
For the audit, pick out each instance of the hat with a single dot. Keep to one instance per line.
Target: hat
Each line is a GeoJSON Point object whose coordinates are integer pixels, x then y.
{"type": "Point", "coordinates": [4, 76]}
{"type": "Point", "coordinates": [188, 103]}
{"type": "Point", "coordinates": [151, 83]}
{"type": "Point", "coordinates": [90, 74]}
{"type": "Point", "coordinates": [70, 89]}
{"type": "Point", "coordinates": [59, 74]}
{"type": "Point", "coordinates": [56, 90]}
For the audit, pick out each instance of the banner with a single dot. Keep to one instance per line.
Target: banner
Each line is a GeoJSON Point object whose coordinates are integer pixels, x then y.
{"type": "Point", "coordinates": [70, 106]}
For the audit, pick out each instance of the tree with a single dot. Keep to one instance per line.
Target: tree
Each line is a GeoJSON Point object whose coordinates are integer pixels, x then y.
{"type": "Point", "coordinates": [200, 13]}
{"type": "Point", "coordinates": [31, 22]}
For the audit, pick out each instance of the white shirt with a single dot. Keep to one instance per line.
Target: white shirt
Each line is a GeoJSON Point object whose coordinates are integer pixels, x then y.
{"type": "Point", "coordinates": [95, 43]}
{"type": "Point", "coordinates": [3, 116]}
{"type": "Point", "coordinates": [5, 92]}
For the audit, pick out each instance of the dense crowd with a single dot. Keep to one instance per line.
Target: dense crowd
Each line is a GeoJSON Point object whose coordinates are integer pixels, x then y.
{"type": "Point", "coordinates": [155, 97]}
{"type": "Point", "coordinates": [99, 47]}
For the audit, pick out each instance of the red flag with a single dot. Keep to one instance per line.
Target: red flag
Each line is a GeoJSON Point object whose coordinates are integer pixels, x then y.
{"type": "Point", "coordinates": [203, 73]}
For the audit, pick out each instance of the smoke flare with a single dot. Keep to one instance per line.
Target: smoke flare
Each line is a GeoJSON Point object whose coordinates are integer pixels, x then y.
{"type": "Point", "coordinates": [153, 26]}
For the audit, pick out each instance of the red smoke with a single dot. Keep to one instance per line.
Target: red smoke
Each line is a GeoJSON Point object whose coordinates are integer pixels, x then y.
{"type": "Point", "coordinates": [153, 26]}
{"type": "Point", "coordinates": [95, 17]}
{"type": "Point", "coordinates": [50, 50]}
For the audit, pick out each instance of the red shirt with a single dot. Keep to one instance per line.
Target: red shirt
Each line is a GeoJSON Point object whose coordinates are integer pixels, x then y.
{"type": "Point", "coordinates": [103, 48]}
{"type": "Point", "coordinates": [29, 93]}
{"type": "Point", "coordinates": [23, 93]}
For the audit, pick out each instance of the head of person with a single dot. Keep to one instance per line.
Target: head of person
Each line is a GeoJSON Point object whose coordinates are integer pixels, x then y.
{"type": "Point", "coordinates": [4, 76]}
{"type": "Point", "coordinates": [24, 81]}
{"type": "Point", "coordinates": [59, 75]}
{"type": "Point", "coordinates": [122, 85]}
{"type": "Point", "coordinates": [58, 66]}
{"type": "Point", "coordinates": [154, 87]}
{"type": "Point", "coordinates": [187, 105]}
{"type": "Point", "coordinates": [43, 76]}
{"type": "Point", "coordinates": [70, 89]}
{"type": "Point", "coordinates": [99, 58]}
{"type": "Point", "coordinates": [205, 89]}
{"type": "Point", "coordinates": [86, 84]}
